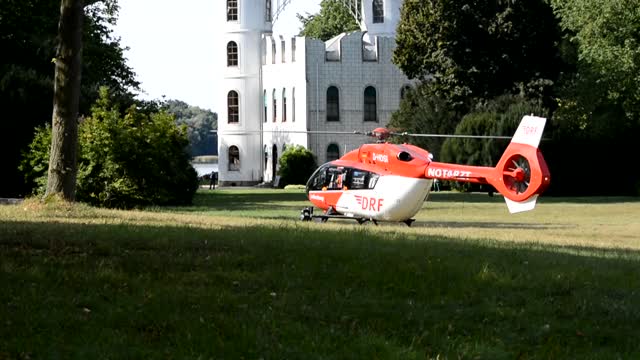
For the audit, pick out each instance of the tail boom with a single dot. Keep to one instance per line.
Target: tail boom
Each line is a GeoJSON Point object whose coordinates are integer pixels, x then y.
{"type": "Point", "coordinates": [521, 174]}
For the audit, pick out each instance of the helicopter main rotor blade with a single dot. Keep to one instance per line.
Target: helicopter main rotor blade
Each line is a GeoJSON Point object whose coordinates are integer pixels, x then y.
{"type": "Point", "coordinates": [257, 132]}
{"type": "Point", "coordinates": [454, 136]}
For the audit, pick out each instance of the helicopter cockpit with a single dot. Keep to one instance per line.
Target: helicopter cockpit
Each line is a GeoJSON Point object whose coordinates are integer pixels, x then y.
{"type": "Point", "coordinates": [334, 177]}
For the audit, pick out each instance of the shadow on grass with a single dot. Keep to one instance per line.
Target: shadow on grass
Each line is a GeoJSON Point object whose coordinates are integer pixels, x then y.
{"type": "Point", "coordinates": [245, 199]}
{"type": "Point", "coordinates": [448, 196]}
{"type": "Point", "coordinates": [248, 198]}
{"type": "Point", "coordinates": [78, 291]}
{"type": "Point", "coordinates": [489, 225]}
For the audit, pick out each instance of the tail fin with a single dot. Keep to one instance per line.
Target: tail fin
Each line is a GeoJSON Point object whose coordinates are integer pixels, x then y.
{"type": "Point", "coordinates": [522, 174]}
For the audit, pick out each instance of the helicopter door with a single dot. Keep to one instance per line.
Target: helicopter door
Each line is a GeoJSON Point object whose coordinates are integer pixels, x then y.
{"type": "Point", "coordinates": [319, 179]}
{"type": "Point", "coordinates": [337, 178]}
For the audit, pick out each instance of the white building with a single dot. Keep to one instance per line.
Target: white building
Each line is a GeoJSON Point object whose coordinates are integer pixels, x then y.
{"type": "Point", "coordinates": [279, 92]}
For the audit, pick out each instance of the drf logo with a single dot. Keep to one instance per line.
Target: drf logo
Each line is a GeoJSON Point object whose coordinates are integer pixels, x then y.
{"type": "Point", "coordinates": [369, 203]}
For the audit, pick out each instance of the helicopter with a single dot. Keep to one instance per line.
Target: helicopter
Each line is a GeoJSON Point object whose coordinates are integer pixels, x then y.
{"type": "Point", "coordinates": [389, 182]}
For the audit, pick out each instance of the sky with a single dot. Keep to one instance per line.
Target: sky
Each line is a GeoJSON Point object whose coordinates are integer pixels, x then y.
{"type": "Point", "coordinates": [172, 45]}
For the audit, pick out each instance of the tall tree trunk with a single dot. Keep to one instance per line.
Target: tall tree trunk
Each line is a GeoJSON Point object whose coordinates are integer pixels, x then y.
{"type": "Point", "coordinates": [66, 95]}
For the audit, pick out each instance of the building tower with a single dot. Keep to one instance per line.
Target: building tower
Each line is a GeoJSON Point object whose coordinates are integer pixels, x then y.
{"type": "Point", "coordinates": [380, 17]}
{"type": "Point", "coordinates": [239, 103]}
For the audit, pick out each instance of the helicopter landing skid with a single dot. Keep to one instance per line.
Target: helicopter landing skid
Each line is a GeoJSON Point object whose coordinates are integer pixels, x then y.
{"type": "Point", "coordinates": [307, 215]}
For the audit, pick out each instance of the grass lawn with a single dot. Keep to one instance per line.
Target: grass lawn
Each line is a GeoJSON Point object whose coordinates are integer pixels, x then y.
{"type": "Point", "coordinates": [237, 276]}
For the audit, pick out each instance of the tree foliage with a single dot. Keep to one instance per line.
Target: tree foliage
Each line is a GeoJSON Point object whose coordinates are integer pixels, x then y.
{"type": "Point", "coordinates": [422, 111]}
{"type": "Point", "coordinates": [599, 106]}
{"type": "Point", "coordinates": [28, 31]}
{"type": "Point", "coordinates": [333, 19]}
{"type": "Point", "coordinates": [296, 165]}
{"type": "Point", "coordinates": [199, 123]}
{"type": "Point", "coordinates": [607, 36]}
{"type": "Point", "coordinates": [124, 161]}
{"type": "Point", "coordinates": [471, 49]}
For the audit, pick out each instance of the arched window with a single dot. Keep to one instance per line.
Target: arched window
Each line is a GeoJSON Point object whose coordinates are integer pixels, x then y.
{"type": "Point", "coordinates": [333, 152]}
{"type": "Point", "coordinates": [333, 104]}
{"type": "Point", "coordinates": [284, 105]}
{"type": "Point", "coordinates": [404, 91]}
{"type": "Point", "coordinates": [233, 112]}
{"type": "Point", "coordinates": [234, 158]}
{"type": "Point", "coordinates": [274, 105]}
{"type": "Point", "coordinates": [265, 106]}
{"type": "Point", "coordinates": [378, 11]}
{"type": "Point", "coordinates": [232, 53]}
{"type": "Point", "coordinates": [267, 11]}
{"type": "Point", "coordinates": [370, 106]}
{"type": "Point", "coordinates": [293, 105]}
{"type": "Point", "coordinates": [232, 10]}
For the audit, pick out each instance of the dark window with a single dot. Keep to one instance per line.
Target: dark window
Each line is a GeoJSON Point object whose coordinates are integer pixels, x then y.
{"type": "Point", "coordinates": [333, 152]}
{"type": "Point", "coordinates": [267, 11]}
{"type": "Point", "coordinates": [232, 54]}
{"type": "Point", "coordinates": [266, 156]}
{"type": "Point", "coordinates": [293, 105]}
{"type": "Point", "coordinates": [370, 106]}
{"type": "Point", "coordinates": [284, 105]}
{"type": "Point", "coordinates": [232, 10]}
{"type": "Point", "coordinates": [233, 114]}
{"type": "Point", "coordinates": [404, 91]}
{"type": "Point", "coordinates": [275, 105]}
{"type": "Point", "coordinates": [234, 158]}
{"type": "Point", "coordinates": [378, 11]}
{"type": "Point", "coordinates": [333, 104]}
{"type": "Point", "coordinates": [265, 106]}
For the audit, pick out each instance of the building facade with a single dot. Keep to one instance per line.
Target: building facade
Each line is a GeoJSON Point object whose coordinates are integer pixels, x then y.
{"type": "Point", "coordinates": [280, 92]}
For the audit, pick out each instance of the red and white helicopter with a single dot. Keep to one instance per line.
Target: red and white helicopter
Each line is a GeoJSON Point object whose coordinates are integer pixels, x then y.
{"type": "Point", "coordinates": [389, 182]}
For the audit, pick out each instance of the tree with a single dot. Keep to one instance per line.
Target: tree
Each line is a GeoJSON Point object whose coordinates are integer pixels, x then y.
{"type": "Point", "coordinates": [66, 95]}
{"type": "Point", "coordinates": [599, 106]}
{"type": "Point", "coordinates": [28, 38]}
{"type": "Point", "coordinates": [199, 124]}
{"type": "Point", "coordinates": [470, 50]}
{"type": "Point", "coordinates": [296, 165]}
{"type": "Point", "coordinates": [607, 36]}
{"type": "Point", "coordinates": [333, 19]}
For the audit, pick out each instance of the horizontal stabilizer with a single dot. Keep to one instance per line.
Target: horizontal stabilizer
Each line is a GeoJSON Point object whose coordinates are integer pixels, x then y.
{"type": "Point", "coordinates": [520, 206]}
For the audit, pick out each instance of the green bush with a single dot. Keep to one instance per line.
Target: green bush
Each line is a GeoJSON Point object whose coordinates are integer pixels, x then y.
{"type": "Point", "coordinates": [296, 165]}
{"type": "Point", "coordinates": [123, 162]}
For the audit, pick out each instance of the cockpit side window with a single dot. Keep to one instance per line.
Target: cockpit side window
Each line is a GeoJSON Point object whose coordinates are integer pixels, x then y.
{"type": "Point", "coordinates": [331, 177]}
